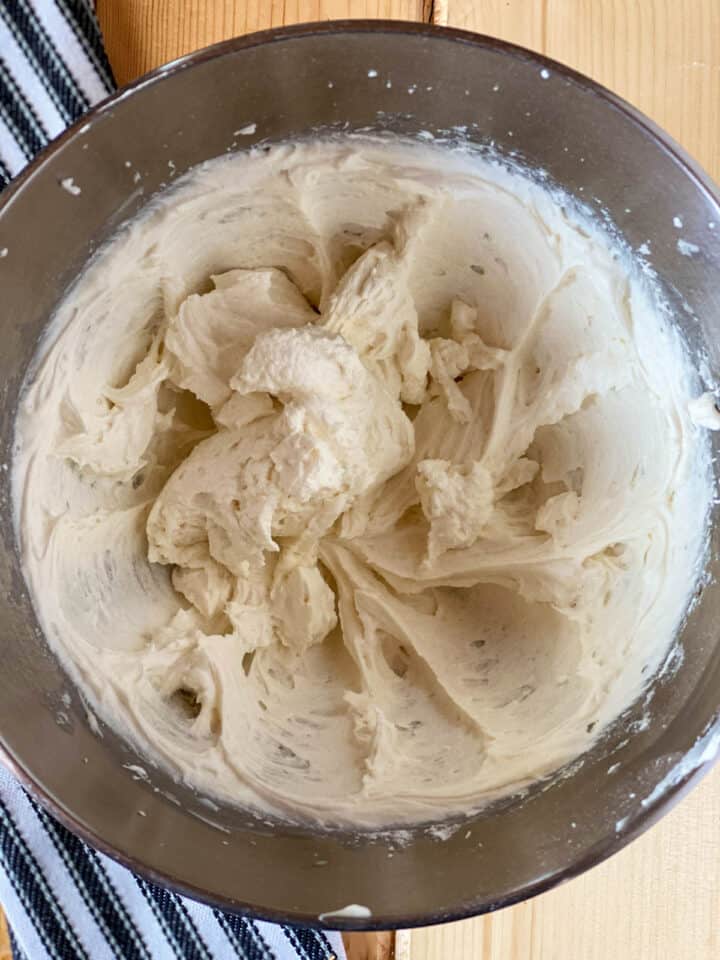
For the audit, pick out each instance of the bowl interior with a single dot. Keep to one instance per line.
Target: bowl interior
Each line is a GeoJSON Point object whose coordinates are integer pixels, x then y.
{"type": "Point", "coordinates": [292, 83]}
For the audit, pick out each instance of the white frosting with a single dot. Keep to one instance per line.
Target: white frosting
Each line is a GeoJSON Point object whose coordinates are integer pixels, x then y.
{"type": "Point", "coordinates": [411, 459]}
{"type": "Point", "coordinates": [355, 911]}
{"type": "Point", "coordinates": [704, 411]}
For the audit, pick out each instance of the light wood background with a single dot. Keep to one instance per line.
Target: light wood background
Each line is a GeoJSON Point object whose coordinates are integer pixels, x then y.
{"type": "Point", "coordinates": [4, 940]}
{"type": "Point", "coordinates": [659, 899]}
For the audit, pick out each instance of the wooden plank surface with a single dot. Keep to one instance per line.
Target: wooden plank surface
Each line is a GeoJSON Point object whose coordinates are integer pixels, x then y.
{"type": "Point", "coordinates": [661, 55]}
{"type": "Point", "coordinates": [660, 898]}
{"type": "Point", "coordinates": [5, 953]}
{"type": "Point", "coordinates": [142, 34]}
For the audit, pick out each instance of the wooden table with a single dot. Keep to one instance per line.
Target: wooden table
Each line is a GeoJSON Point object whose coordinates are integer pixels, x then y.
{"type": "Point", "coordinates": [660, 898]}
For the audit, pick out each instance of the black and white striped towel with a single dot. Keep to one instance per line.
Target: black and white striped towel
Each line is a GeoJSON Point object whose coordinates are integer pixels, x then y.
{"type": "Point", "coordinates": [63, 900]}
{"type": "Point", "coordinates": [52, 68]}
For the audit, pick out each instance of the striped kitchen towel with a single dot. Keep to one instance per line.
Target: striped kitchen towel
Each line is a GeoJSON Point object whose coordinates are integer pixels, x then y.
{"type": "Point", "coordinates": [52, 69]}
{"type": "Point", "coordinates": [65, 901]}
{"type": "Point", "coordinates": [62, 899]}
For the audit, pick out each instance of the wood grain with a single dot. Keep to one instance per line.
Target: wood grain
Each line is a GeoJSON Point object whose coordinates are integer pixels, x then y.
{"type": "Point", "coordinates": [142, 34]}
{"type": "Point", "coordinates": [5, 953]}
{"type": "Point", "coordinates": [367, 946]}
{"type": "Point", "coordinates": [661, 55]}
{"type": "Point", "coordinates": [659, 899]}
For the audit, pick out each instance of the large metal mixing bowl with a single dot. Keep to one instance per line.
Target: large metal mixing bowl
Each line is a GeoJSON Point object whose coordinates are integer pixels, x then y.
{"type": "Point", "coordinates": [290, 82]}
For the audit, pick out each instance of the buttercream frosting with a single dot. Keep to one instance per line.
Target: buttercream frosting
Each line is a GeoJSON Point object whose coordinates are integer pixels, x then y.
{"type": "Point", "coordinates": [358, 481]}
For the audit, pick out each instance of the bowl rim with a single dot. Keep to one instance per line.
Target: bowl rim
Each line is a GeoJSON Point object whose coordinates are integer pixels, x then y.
{"type": "Point", "coordinates": [672, 788]}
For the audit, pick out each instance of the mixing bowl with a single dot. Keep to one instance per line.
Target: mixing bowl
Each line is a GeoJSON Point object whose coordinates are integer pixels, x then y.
{"type": "Point", "coordinates": [273, 86]}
